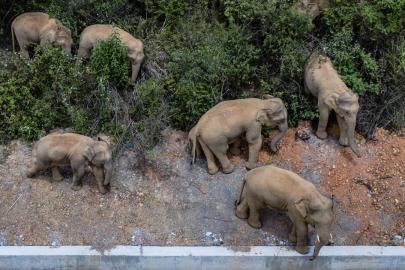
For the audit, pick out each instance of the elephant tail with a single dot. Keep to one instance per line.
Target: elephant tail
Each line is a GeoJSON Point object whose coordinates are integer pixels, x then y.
{"type": "Point", "coordinates": [12, 35]}
{"type": "Point", "coordinates": [241, 191]}
{"type": "Point", "coordinates": [193, 142]}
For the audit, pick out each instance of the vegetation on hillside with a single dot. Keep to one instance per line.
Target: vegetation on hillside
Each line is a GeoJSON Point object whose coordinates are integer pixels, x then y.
{"type": "Point", "coordinates": [197, 54]}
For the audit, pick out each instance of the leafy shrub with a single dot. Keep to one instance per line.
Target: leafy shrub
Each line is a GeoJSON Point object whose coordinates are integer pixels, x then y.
{"type": "Point", "coordinates": [109, 61]}
{"type": "Point", "coordinates": [210, 63]}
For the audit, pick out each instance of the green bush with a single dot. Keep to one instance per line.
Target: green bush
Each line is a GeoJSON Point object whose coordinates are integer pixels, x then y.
{"type": "Point", "coordinates": [209, 64]}
{"type": "Point", "coordinates": [109, 61]}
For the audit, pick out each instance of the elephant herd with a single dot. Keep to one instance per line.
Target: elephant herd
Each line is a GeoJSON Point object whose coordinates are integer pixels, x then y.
{"type": "Point", "coordinates": [219, 129]}
{"type": "Point", "coordinates": [38, 28]}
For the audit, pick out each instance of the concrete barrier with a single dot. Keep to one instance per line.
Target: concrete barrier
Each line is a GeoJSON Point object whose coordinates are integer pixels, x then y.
{"type": "Point", "coordinates": [153, 257]}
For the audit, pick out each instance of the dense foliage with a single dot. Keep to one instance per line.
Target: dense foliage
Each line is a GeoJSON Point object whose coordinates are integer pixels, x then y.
{"type": "Point", "coordinates": [197, 54]}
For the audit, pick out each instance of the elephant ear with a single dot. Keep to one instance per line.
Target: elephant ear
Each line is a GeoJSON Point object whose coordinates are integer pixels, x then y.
{"type": "Point", "coordinates": [88, 152]}
{"type": "Point", "coordinates": [264, 116]}
{"type": "Point", "coordinates": [267, 96]}
{"type": "Point", "coordinates": [301, 207]}
{"type": "Point", "coordinates": [52, 36]}
{"type": "Point", "coordinates": [98, 158]}
{"type": "Point", "coordinates": [332, 101]}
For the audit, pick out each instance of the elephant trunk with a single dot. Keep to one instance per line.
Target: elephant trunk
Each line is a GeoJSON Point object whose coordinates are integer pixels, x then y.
{"type": "Point", "coordinates": [282, 129]}
{"type": "Point", "coordinates": [67, 49]}
{"type": "Point", "coordinates": [350, 135]}
{"type": "Point", "coordinates": [108, 173]}
{"type": "Point", "coordinates": [135, 71]}
{"type": "Point", "coordinates": [319, 243]}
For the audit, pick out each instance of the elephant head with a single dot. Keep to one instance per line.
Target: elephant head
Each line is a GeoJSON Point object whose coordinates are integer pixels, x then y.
{"type": "Point", "coordinates": [347, 106]}
{"type": "Point", "coordinates": [99, 154]}
{"type": "Point", "coordinates": [135, 55]}
{"type": "Point", "coordinates": [318, 212]}
{"type": "Point", "coordinates": [61, 36]}
{"type": "Point", "coordinates": [275, 114]}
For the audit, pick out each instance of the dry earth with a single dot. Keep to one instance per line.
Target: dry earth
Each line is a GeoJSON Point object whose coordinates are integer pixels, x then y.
{"type": "Point", "coordinates": [166, 201]}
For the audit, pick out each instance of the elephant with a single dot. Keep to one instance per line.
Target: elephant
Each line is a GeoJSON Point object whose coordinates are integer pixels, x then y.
{"type": "Point", "coordinates": [61, 149]}
{"type": "Point", "coordinates": [325, 84]}
{"type": "Point", "coordinates": [133, 46]}
{"type": "Point", "coordinates": [37, 28]}
{"type": "Point", "coordinates": [283, 190]}
{"type": "Point", "coordinates": [226, 122]}
{"type": "Point", "coordinates": [314, 7]}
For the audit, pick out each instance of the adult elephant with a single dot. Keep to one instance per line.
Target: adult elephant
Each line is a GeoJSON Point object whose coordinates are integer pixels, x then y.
{"type": "Point", "coordinates": [61, 149]}
{"type": "Point", "coordinates": [324, 83]}
{"type": "Point", "coordinates": [283, 190]}
{"type": "Point", "coordinates": [37, 28]}
{"type": "Point", "coordinates": [313, 7]}
{"type": "Point", "coordinates": [225, 123]}
{"type": "Point", "coordinates": [133, 46]}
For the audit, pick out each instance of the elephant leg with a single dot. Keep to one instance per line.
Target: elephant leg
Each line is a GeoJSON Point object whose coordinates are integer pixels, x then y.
{"type": "Point", "coordinates": [343, 140]}
{"type": "Point", "coordinates": [99, 175]}
{"type": "Point", "coordinates": [255, 143]}
{"type": "Point", "coordinates": [293, 235]}
{"type": "Point", "coordinates": [212, 167]}
{"type": "Point", "coordinates": [323, 122]}
{"type": "Point", "coordinates": [302, 235]}
{"type": "Point", "coordinates": [78, 172]}
{"type": "Point", "coordinates": [242, 209]}
{"type": "Point", "coordinates": [235, 150]}
{"type": "Point", "coordinates": [219, 150]}
{"type": "Point", "coordinates": [254, 208]}
{"type": "Point", "coordinates": [24, 49]}
{"type": "Point", "coordinates": [83, 52]}
{"type": "Point", "coordinates": [56, 176]}
{"type": "Point", "coordinates": [198, 149]}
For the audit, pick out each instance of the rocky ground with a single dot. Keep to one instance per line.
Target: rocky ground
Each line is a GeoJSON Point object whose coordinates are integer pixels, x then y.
{"type": "Point", "coordinates": [163, 200]}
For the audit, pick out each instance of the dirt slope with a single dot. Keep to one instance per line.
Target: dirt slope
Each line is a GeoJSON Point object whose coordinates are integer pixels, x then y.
{"type": "Point", "coordinates": [166, 201]}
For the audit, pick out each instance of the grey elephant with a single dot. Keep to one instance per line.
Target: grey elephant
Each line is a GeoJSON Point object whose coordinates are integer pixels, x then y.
{"type": "Point", "coordinates": [37, 28]}
{"type": "Point", "coordinates": [324, 83]}
{"type": "Point", "coordinates": [61, 149]}
{"type": "Point", "coordinates": [225, 123]}
{"type": "Point", "coordinates": [133, 46]}
{"type": "Point", "coordinates": [283, 190]}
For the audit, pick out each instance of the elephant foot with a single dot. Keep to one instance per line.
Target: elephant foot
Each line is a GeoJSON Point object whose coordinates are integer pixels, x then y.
{"type": "Point", "coordinates": [228, 169]}
{"type": "Point", "coordinates": [241, 214]}
{"type": "Point", "coordinates": [302, 249]}
{"type": "Point", "coordinates": [102, 190]}
{"type": "Point", "coordinates": [292, 237]}
{"type": "Point", "coordinates": [76, 187]}
{"type": "Point", "coordinates": [235, 151]}
{"type": "Point", "coordinates": [255, 224]}
{"type": "Point", "coordinates": [57, 178]}
{"type": "Point", "coordinates": [321, 134]}
{"type": "Point", "coordinates": [344, 141]}
{"type": "Point", "coordinates": [29, 173]}
{"type": "Point", "coordinates": [250, 166]}
{"type": "Point", "coordinates": [213, 170]}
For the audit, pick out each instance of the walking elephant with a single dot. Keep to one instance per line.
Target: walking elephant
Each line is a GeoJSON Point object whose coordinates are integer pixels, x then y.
{"type": "Point", "coordinates": [133, 46]}
{"type": "Point", "coordinates": [283, 190]}
{"type": "Point", "coordinates": [37, 28]}
{"type": "Point", "coordinates": [324, 83]}
{"type": "Point", "coordinates": [59, 149]}
{"type": "Point", "coordinates": [225, 123]}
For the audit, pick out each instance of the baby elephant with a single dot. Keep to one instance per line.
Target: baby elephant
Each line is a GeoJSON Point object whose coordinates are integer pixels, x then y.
{"type": "Point", "coordinates": [59, 149]}
{"type": "Point", "coordinates": [283, 190]}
